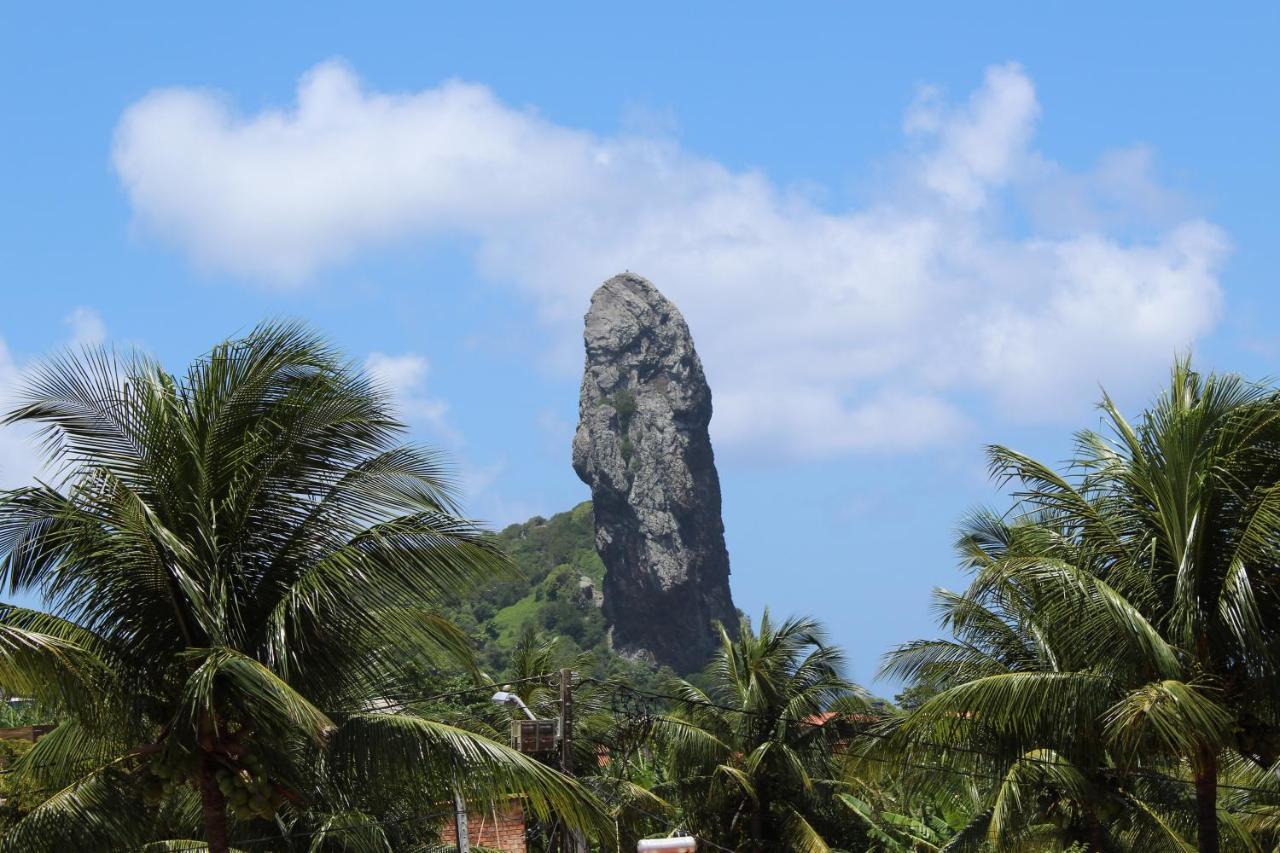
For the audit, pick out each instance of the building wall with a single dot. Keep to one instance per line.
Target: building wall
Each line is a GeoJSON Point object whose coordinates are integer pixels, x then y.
{"type": "Point", "coordinates": [500, 828]}
{"type": "Point", "coordinates": [31, 733]}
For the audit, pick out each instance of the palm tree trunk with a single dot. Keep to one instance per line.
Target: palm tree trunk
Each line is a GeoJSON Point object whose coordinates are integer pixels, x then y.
{"type": "Point", "coordinates": [1097, 835]}
{"type": "Point", "coordinates": [215, 812]}
{"type": "Point", "coordinates": [1207, 803]}
{"type": "Point", "coordinates": [759, 823]}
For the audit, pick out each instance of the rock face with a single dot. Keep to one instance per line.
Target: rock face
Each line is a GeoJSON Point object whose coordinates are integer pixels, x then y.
{"type": "Point", "coordinates": [643, 448]}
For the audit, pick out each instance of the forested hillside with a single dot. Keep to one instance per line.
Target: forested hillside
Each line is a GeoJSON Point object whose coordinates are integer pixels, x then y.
{"type": "Point", "coordinates": [556, 595]}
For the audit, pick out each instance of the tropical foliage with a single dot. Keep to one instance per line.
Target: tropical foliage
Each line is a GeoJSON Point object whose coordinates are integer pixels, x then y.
{"type": "Point", "coordinates": [267, 626]}
{"type": "Point", "coordinates": [1114, 658]}
{"type": "Point", "coordinates": [753, 757]}
{"type": "Point", "coordinates": [243, 569]}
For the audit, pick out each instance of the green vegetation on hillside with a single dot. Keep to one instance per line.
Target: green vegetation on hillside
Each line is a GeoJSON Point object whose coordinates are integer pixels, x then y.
{"type": "Point", "coordinates": [556, 594]}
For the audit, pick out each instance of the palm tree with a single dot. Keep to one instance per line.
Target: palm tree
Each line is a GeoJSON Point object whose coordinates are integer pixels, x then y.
{"type": "Point", "coordinates": [242, 569]}
{"type": "Point", "coordinates": [1155, 560]}
{"type": "Point", "coordinates": [754, 754]}
{"type": "Point", "coordinates": [899, 824]}
{"type": "Point", "coordinates": [1019, 696]}
{"type": "Point", "coordinates": [1190, 500]}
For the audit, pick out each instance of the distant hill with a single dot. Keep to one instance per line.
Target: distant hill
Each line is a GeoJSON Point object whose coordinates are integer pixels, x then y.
{"type": "Point", "coordinates": [558, 594]}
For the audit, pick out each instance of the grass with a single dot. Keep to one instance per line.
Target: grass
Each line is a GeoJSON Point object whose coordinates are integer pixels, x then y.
{"type": "Point", "coordinates": [509, 619]}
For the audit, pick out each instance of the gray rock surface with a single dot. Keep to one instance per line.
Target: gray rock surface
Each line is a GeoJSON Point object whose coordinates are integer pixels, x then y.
{"type": "Point", "coordinates": [643, 448]}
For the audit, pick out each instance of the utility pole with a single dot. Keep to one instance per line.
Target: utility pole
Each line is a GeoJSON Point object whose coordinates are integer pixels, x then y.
{"type": "Point", "coordinates": [571, 841]}
{"type": "Point", "coordinates": [566, 722]}
{"type": "Point", "coordinates": [460, 823]}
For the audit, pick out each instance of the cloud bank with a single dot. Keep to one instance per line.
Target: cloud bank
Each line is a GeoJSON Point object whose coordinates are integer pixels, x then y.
{"type": "Point", "coordinates": [404, 377]}
{"type": "Point", "coordinates": [20, 455]}
{"type": "Point", "coordinates": [987, 272]}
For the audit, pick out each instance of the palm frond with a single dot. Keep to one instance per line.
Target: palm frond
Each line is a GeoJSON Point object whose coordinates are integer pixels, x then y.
{"type": "Point", "coordinates": [394, 750]}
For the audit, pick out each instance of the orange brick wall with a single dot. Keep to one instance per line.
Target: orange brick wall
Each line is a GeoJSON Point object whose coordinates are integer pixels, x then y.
{"type": "Point", "coordinates": [499, 828]}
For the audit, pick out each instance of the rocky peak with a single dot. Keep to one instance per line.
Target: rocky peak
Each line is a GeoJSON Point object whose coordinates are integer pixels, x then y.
{"type": "Point", "coordinates": [643, 448]}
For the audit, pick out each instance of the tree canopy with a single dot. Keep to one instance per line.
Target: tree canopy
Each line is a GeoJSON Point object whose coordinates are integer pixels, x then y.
{"type": "Point", "coordinates": [243, 569]}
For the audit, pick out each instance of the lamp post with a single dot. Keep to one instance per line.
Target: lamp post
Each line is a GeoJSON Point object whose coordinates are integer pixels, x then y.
{"type": "Point", "coordinates": [571, 841]}
{"type": "Point", "coordinates": [504, 697]}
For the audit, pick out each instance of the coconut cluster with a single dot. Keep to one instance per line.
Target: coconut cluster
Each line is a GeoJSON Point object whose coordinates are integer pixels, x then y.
{"type": "Point", "coordinates": [248, 790]}
{"type": "Point", "coordinates": [242, 781]}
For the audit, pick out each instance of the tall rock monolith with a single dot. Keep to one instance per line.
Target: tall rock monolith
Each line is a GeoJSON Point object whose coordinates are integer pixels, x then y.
{"type": "Point", "coordinates": [643, 448]}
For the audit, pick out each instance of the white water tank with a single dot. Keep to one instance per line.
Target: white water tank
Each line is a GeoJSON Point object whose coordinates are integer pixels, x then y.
{"type": "Point", "coordinates": [679, 844]}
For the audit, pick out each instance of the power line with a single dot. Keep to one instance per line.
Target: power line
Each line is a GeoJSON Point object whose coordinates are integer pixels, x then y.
{"type": "Point", "coordinates": [449, 695]}
{"type": "Point", "coordinates": [615, 687]}
{"type": "Point", "coordinates": [950, 747]}
{"type": "Point", "coordinates": [895, 762]}
{"type": "Point", "coordinates": [1259, 808]}
{"type": "Point", "coordinates": [674, 827]}
{"type": "Point", "coordinates": [291, 835]}
{"type": "Point", "coordinates": [993, 777]}
{"type": "Point", "coordinates": [497, 685]}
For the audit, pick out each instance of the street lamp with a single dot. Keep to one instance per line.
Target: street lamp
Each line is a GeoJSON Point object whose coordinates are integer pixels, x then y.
{"type": "Point", "coordinates": [503, 697]}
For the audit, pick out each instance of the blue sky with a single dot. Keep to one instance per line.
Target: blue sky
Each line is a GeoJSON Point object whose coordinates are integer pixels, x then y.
{"type": "Point", "coordinates": [896, 234]}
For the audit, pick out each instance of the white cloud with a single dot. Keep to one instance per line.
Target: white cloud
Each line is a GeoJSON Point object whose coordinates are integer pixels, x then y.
{"type": "Point", "coordinates": [822, 331]}
{"type": "Point", "coordinates": [20, 455]}
{"type": "Point", "coordinates": [979, 147]}
{"type": "Point", "coordinates": [87, 328]}
{"type": "Point", "coordinates": [1121, 193]}
{"type": "Point", "coordinates": [479, 487]}
{"type": "Point", "coordinates": [557, 432]}
{"type": "Point", "coordinates": [405, 377]}
{"type": "Point", "coordinates": [18, 452]}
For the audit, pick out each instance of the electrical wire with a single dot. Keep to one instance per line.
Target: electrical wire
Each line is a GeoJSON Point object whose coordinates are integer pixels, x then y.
{"type": "Point", "coordinates": [449, 695]}
{"type": "Point", "coordinates": [290, 836]}
{"type": "Point", "coordinates": [692, 702]}
{"type": "Point", "coordinates": [951, 747]}
{"type": "Point", "coordinates": [674, 827]}
{"type": "Point", "coordinates": [1258, 809]}
{"type": "Point", "coordinates": [497, 685]}
{"type": "Point", "coordinates": [677, 828]}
